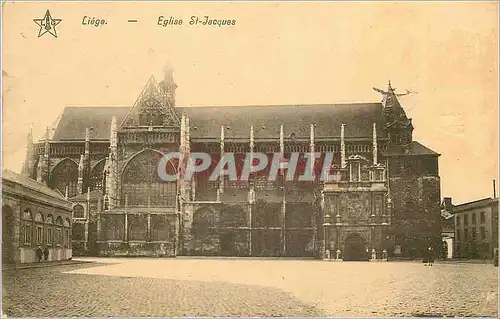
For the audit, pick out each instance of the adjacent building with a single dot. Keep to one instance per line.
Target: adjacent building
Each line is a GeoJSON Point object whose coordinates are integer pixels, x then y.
{"type": "Point", "coordinates": [33, 215]}
{"type": "Point", "coordinates": [476, 228]}
{"type": "Point", "coordinates": [385, 194]}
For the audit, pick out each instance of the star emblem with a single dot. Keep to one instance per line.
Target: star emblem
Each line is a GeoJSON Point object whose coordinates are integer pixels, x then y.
{"type": "Point", "coordinates": [47, 24]}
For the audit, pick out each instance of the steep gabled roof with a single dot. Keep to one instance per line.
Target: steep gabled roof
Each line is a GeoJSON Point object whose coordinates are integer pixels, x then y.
{"type": "Point", "coordinates": [74, 120]}
{"type": "Point", "coordinates": [151, 91]}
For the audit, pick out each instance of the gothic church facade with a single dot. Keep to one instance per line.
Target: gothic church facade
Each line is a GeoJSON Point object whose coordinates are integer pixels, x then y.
{"type": "Point", "coordinates": [383, 195]}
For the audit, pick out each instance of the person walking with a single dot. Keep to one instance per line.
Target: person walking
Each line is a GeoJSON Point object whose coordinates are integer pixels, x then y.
{"type": "Point", "coordinates": [46, 253]}
{"type": "Point", "coordinates": [39, 254]}
{"type": "Point", "coordinates": [430, 256]}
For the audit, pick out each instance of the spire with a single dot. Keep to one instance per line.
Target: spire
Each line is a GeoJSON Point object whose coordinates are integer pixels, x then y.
{"type": "Point", "coordinates": [342, 146]}
{"type": "Point", "coordinates": [390, 99]}
{"type": "Point", "coordinates": [282, 140]}
{"type": "Point", "coordinates": [80, 174]}
{"type": "Point", "coordinates": [183, 134]}
{"type": "Point", "coordinates": [39, 169]}
{"type": "Point", "coordinates": [47, 142]}
{"type": "Point", "coordinates": [113, 135]}
{"type": "Point", "coordinates": [252, 141]}
{"type": "Point", "coordinates": [188, 135]}
{"type": "Point", "coordinates": [375, 147]}
{"type": "Point", "coordinates": [87, 141]}
{"type": "Point", "coordinates": [28, 161]}
{"type": "Point", "coordinates": [168, 84]}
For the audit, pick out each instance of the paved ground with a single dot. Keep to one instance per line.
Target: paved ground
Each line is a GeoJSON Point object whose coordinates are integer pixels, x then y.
{"type": "Point", "coordinates": [248, 287]}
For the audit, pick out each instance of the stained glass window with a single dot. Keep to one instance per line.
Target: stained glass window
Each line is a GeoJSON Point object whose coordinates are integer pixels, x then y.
{"type": "Point", "coordinates": [97, 176]}
{"type": "Point", "coordinates": [141, 184]}
{"type": "Point", "coordinates": [78, 211]}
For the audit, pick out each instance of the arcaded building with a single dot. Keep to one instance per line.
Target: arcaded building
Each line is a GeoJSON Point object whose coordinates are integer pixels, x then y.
{"type": "Point", "coordinates": [33, 216]}
{"type": "Point", "coordinates": [383, 194]}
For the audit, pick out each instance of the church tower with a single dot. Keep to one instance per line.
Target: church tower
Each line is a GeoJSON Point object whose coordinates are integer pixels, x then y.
{"type": "Point", "coordinates": [399, 127]}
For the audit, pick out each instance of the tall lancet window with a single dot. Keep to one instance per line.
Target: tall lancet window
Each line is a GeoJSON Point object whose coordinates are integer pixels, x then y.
{"type": "Point", "coordinates": [97, 176]}
{"type": "Point", "coordinates": [354, 169]}
{"type": "Point", "coordinates": [141, 184]}
{"type": "Point", "coordinates": [64, 177]}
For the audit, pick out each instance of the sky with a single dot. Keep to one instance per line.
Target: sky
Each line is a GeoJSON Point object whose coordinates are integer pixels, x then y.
{"type": "Point", "coordinates": [276, 53]}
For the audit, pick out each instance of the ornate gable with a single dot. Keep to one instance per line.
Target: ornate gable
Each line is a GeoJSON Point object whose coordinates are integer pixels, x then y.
{"type": "Point", "coordinates": [151, 108]}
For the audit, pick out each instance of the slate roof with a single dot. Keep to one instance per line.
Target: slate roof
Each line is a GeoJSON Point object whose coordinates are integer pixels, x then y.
{"type": "Point", "coordinates": [359, 119]}
{"type": "Point", "coordinates": [30, 183]}
{"type": "Point", "coordinates": [74, 120]}
{"type": "Point", "coordinates": [205, 122]}
{"type": "Point", "coordinates": [415, 148]}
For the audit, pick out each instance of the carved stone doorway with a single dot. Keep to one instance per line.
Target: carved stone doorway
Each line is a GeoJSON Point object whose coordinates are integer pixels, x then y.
{"type": "Point", "coordinates": [355, 248]}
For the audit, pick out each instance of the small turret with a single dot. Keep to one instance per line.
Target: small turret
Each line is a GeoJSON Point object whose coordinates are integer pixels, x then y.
{"type": "Point", "coordinates": [168, 86]}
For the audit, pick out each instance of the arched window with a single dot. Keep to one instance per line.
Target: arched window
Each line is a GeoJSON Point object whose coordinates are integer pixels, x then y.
{"type": "Point", "coordinates": [138, 229]}
{"type": "Point", "coordinates": [114, 230]}
{"type": "Point", "coordinates": [159, 231]}
{"type": "Point", "coordinates": [39, 228]}
{"type": "Point", "coordinates": [141, 185]}
{"type": "Point", "coordinates": [97, 176]}
{"type": "Point", "coordinates": [50, 231]}
{"type": "Point", "coordinates": [65, 176]}
{"type": "Point", "coordinates": [27, 227]}
{"type": "Point", "coordinates": [78, 211]}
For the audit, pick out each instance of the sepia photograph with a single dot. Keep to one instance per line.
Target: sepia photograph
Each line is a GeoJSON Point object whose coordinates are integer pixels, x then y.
{"type": "Point", "coordinates": [250, 159]}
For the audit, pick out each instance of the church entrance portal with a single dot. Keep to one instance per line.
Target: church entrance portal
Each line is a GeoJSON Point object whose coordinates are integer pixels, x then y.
{"type": "Point", "coordinates": [355, 248]}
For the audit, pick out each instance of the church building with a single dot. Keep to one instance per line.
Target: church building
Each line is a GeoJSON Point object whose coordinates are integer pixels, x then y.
{"type": "Point", "coordinates": [382, 196]}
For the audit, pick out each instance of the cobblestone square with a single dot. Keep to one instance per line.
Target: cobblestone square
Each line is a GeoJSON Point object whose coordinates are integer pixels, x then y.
{"type": "Point", "coordinates": [251, 287]}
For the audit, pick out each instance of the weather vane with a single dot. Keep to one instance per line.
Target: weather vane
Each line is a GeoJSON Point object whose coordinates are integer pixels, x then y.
{"type": "Point", "coordinates": [392, 91]}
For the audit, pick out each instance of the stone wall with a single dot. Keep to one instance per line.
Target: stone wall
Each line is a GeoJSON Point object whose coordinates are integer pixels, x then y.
{"type": "Point", "coordinates": [416, 213]}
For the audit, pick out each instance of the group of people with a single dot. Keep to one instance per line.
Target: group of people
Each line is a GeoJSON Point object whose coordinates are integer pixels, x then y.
{"type": "Point", "coordinates": [429, 257]}
{"type": "Point", "coordinates": [42, 254]}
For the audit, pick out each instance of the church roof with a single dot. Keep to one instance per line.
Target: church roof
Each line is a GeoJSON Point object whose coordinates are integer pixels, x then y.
{"type": "Point", "coordinates": [206, 122]}
{"type": "Point", "coordinates": [74, 120]}
{"type": "Point", "coordinates": [415, 148]}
